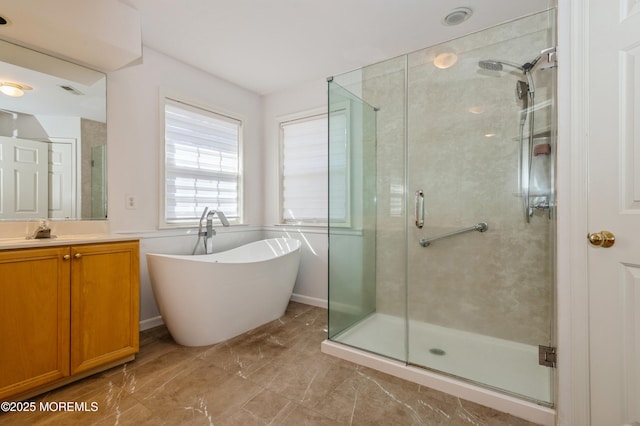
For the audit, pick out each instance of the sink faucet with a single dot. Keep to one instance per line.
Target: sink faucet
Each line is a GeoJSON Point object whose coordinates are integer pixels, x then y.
{"type": "Point", "coordinates": [42, 231]}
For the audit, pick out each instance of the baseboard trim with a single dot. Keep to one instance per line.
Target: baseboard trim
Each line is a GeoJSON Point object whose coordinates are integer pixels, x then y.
{"type": "Point", "coordinates": [151, 323]}
{"type": "Point", "coordinates": [313, 301]}
{"type": "Point", "coordinates": [307, 300]}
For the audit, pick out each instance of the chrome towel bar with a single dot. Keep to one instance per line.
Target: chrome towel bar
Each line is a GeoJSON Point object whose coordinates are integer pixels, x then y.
{"type": "Point", "coordinates": [480, 227]}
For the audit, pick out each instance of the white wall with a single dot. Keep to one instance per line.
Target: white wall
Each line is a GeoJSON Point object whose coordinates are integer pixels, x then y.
{"type": "Point", "coordinates": [133, 117]}
{"type": "Point", "coordinates": [311, 285]}
{"type": "Point", "coordinates": [133, 111]}
{"type": "Point", "coordinates": [312, 96]}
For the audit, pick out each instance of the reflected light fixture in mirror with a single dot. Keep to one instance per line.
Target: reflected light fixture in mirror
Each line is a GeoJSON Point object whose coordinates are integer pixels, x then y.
{"type": "Point", "coordinates": [13, 89]}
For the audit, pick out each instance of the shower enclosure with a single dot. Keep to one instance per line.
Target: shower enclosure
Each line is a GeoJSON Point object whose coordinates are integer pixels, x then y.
{"type": "Point", "coordinates": [441, 201]}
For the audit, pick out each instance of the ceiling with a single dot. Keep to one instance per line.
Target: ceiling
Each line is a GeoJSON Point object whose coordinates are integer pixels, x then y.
{"type": "Point", "coordinates": [269, 45]}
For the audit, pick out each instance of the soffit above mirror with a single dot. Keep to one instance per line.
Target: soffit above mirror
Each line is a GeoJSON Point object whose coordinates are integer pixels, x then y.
{"type": "Point", "coordinates": [103, 35]}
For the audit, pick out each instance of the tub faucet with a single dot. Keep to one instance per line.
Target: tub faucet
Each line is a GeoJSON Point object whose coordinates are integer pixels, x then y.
{"type": "Point", "coordinates": [208, 232]}
{"type": "Point", "coordinates": [223, 219]}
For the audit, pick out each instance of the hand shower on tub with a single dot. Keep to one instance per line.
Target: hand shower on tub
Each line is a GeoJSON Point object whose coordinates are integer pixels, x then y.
{"type": "Point", "coordinates": [208, 232]}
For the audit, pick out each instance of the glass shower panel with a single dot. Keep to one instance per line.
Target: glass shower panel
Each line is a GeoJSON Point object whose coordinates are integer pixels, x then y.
{"type": "Point", "coordinates": [481, 140]}
{"type": "Point", "coordinates": [354, 224]}
{"type": "Point", "coordinates": [351, 209]}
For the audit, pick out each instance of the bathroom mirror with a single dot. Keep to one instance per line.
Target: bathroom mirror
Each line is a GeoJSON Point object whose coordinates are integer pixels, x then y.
{"type": "Point", "coordinates": [53, 138]}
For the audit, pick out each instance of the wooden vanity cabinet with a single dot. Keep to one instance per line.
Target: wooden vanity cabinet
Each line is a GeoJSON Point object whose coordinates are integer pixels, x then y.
{"type": "Point", "coordinates": [104, 304]}
{"type": "Point", "coordinates": [34, 318]}
{"type": "Point", "coordinates": [66, 312]}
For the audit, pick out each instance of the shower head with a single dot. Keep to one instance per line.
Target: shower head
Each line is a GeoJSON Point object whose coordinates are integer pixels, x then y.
{"type": "Point", "coordinates": [498, 65]}
{"type": "Point", "coordinates": [495, 65]}
{"type": "Point", "coordinates": [524, 90]}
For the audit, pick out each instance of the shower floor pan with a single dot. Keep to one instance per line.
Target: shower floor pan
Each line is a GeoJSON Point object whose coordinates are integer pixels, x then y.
{"type": "Point", "coordinates": [496, 363]}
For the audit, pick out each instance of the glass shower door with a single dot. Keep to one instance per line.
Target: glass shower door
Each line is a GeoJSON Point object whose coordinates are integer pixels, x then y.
{"type": "Point", "coordinates": [98, 194]}
{"type": "Point", "coordinates": [481, 136]}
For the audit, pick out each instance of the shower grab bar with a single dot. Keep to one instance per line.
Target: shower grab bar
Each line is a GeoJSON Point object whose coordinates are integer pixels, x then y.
{"type": "Point", "coordinates": [480, 227]}
{"type": "Point", "coordinates": [419, 209]}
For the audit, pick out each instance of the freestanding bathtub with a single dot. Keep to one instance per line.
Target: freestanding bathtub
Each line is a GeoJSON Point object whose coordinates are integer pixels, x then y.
{"type": "Point", "coordinates": [205, 299]}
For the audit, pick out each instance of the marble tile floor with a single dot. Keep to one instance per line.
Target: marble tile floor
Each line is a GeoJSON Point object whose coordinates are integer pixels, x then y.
{"type": "Point", "coordinates": [272, 375]}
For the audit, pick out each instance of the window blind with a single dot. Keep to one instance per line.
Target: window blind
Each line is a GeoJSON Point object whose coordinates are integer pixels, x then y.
{"type": "Point", "coordinates": [339, 187]}
{"type": "Point", "coordinates": [201, 163]}
{"type": "Point", "coordinates": [304, 170]}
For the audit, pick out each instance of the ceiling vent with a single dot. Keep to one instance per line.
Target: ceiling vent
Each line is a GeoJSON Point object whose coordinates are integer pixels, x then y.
{"type": "Point", "coordinates": [457, 16]}
{"type": "Point", "coordinates": [71, 90]}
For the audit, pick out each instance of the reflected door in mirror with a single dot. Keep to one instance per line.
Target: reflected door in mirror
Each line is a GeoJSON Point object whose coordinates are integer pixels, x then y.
{"type": "Point", "coordinates": [35, 179]}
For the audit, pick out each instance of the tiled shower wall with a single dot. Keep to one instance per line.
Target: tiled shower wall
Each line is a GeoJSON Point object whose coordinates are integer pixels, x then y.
{"type": "Point", "coordinates": [498, 283]}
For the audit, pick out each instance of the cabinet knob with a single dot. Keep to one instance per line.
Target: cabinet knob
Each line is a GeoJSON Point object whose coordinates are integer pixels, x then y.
{"type": "Point", "coordinates": [77, 255]}
{"type": "Point", "coordinates": [66, 257]}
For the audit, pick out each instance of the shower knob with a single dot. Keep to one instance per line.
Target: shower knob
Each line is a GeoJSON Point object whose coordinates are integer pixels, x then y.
{"type": "Point", "coordinates": [602, 239]}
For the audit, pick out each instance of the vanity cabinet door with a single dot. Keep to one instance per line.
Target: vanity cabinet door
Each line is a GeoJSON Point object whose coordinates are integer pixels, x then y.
{"type": "Point", "coordinates": [34, 318]}
{"type": "Point", "coordinates": [104, 303]}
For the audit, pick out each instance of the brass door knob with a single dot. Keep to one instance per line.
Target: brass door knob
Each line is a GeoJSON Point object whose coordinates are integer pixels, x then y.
{"type": "Point", "coordinates": [602, 239]}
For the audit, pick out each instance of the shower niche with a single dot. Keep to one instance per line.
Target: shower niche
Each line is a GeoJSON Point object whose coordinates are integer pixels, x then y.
{"type": "Point", "coordinates": [418, 152]}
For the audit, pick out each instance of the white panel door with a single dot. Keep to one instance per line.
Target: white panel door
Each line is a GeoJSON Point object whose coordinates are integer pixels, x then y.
{"type": "Point", "coordinates": [61, 169]}
{"type": "Point", "coordinates": [24, 178]}
{"type": "Point", "coordinates": [614, 205]}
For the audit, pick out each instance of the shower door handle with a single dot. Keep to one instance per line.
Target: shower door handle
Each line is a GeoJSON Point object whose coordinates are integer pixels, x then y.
{"type": "Point", "coordinates": [419, 209]}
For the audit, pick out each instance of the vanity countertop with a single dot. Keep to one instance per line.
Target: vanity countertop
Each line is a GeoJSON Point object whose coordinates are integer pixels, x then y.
{"type": "Point", "coordinates": [63, 240]}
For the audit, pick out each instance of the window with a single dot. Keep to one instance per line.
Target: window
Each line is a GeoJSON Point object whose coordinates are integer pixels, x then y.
{"type": "Point", "coordinates": [304, 170]}
{"type": "Point", "coordinates": [305, 174]}
{"type": "Point", "coordinates": [340, 172]}
{"type": "Point", "coordinates": [201, 164]}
